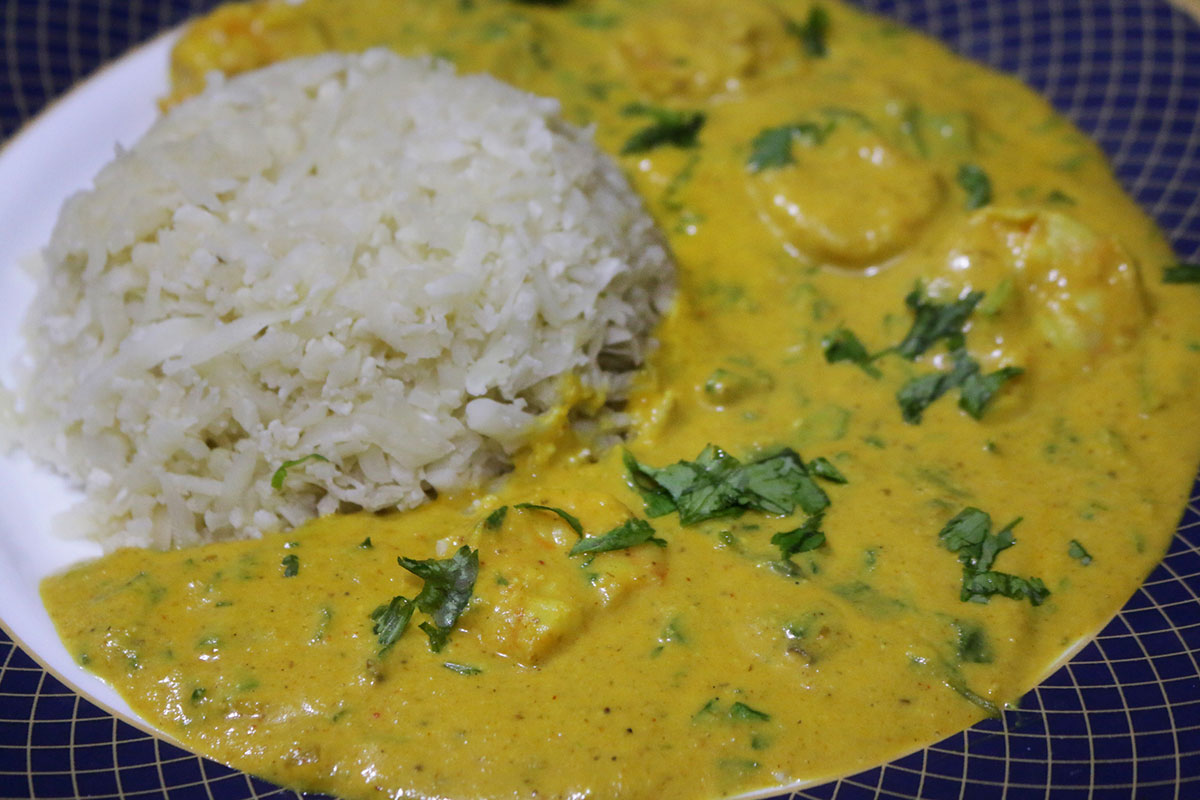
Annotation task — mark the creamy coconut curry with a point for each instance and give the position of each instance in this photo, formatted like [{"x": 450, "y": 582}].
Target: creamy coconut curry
[{"x": 921, "y": 420}]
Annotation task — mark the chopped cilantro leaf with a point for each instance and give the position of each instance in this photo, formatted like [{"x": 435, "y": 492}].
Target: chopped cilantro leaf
[
  {"x": 772, "y": 147},
  {"x": 1058, "y": 196},
  {"x": 933, "y": 321},
  {"x": 365, "y": 544},
  {"x": 291, "y": 565},
  {"x": 969, "y": 534},
  {"x": 843, "y": 345},
  {"x": 742, "y": 712},
  {"x": 668, "y": 127},
  {"x": 641, "y": 479},
  {"x": 1076, "y": 551},
  {"x": 975, "y": 182},
  {"x": 716, "y": 485},
  {"x": 198, "y": 694},
  {"x": 1182, "y": 273},
  {"x": 391, "y": 621},
  {"x": 919, "y": 393},
  {"x": 437, "y": 636},
  {"x": 978, "y": 389},
  {"x": 980, "y": 586},
  {"x": 823, "y": 468},
  {"x": 813, "y": 33},
  {"x": 966, "y": 530},
  {"x": 632, "y": 532},
  {"x": 777, "y": 484},
  {"x": 281, "y": 474},
  {"x": 461, "y": 669},
  {"x": 960, "y": 686},
  {"x": 496, "y": 518},
  {"x": 449, "y": 584},
  {"x": 808, "y": 536},
  {"x": 570, "y": 519},
  {"x": 707, "y": 709},
  {"x": 973, "y": 644}
]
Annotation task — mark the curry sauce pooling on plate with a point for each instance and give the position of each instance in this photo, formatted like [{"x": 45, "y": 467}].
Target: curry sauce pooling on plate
[{"x": 921, "y": 420}]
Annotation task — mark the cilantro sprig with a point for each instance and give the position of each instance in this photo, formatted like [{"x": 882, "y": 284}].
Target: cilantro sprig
[
  {"x": 1077, "y": 551},
  {"x": 843, "y": 345},
  {"x": 449, "y": 584},
  {"x": 977, "y": 185},
  {"x": 813, "y": 33},
  {"x": 716, "y": 485},
  {"x": 631, "y": 533},
  {"x": 667, "y": 127},
  {"x": 933, "y": 322},
  {"x": 977, "y": 388},
  {"x": 969, "y": 534},
  {"x": 772, "y": 147},
  {"x": 808, "y": 536},
  {"x": 567, "y": 517},
  {"x": 1182, "y": 273},
  {"x": 280, "y": 475}
]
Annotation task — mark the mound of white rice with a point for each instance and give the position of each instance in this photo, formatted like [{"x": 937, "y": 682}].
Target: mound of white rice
[{"x": 365, "y": 258}]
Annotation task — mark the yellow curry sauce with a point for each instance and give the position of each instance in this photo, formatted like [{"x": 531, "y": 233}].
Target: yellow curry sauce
[{"x": 841, "y": 166}]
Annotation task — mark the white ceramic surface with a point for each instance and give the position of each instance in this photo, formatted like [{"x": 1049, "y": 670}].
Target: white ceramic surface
[{"x": 50, "y": 159}]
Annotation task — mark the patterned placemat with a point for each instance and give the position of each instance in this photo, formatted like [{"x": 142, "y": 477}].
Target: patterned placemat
[{"x": 1121, "y": 720}]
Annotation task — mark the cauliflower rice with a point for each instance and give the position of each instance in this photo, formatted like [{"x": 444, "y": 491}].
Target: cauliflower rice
[{"x": 362, "y": 257}]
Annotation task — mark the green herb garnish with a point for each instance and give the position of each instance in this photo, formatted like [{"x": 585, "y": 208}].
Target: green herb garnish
[
  {"x": 365, "y": 544},
  {"x": 496, "y": 518},
  {"x": 934, "y": 321},
  {"x": 808, "y": 536},
  {"x": 391, "y": 620},
  {"x": 1182, "y": 273},
  {"x": 1076, "y": 551},
  {"x": 461, "y": 669},
  {"x": 969, "y": 534},
  {"x": 772, "y": 147},
  {"x": 823, "y": 468},
  {"x": 973, "y": 644},
  {"x": 843, "y": 345},
  {"x": 813, "y": 33},
  {"x": 281, "y": 474},
  {"x": 977, "y": 388},
  {"x": 975, "y": 182},
  {"x": 744, "y": 713},
  {"x": 980, "y": 586},
  {"x": 632, "y": 532},
  {"x": 569, "y": 518},
  {"x": 447, "y": 590},
  {"x": 717, "y": 485},
  {"x": 668, "y": 127},
  {"x": 291, "y": 565}
]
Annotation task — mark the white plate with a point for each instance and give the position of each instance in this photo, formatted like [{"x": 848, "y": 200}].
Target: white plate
[{"x": 50, "y": 159}]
